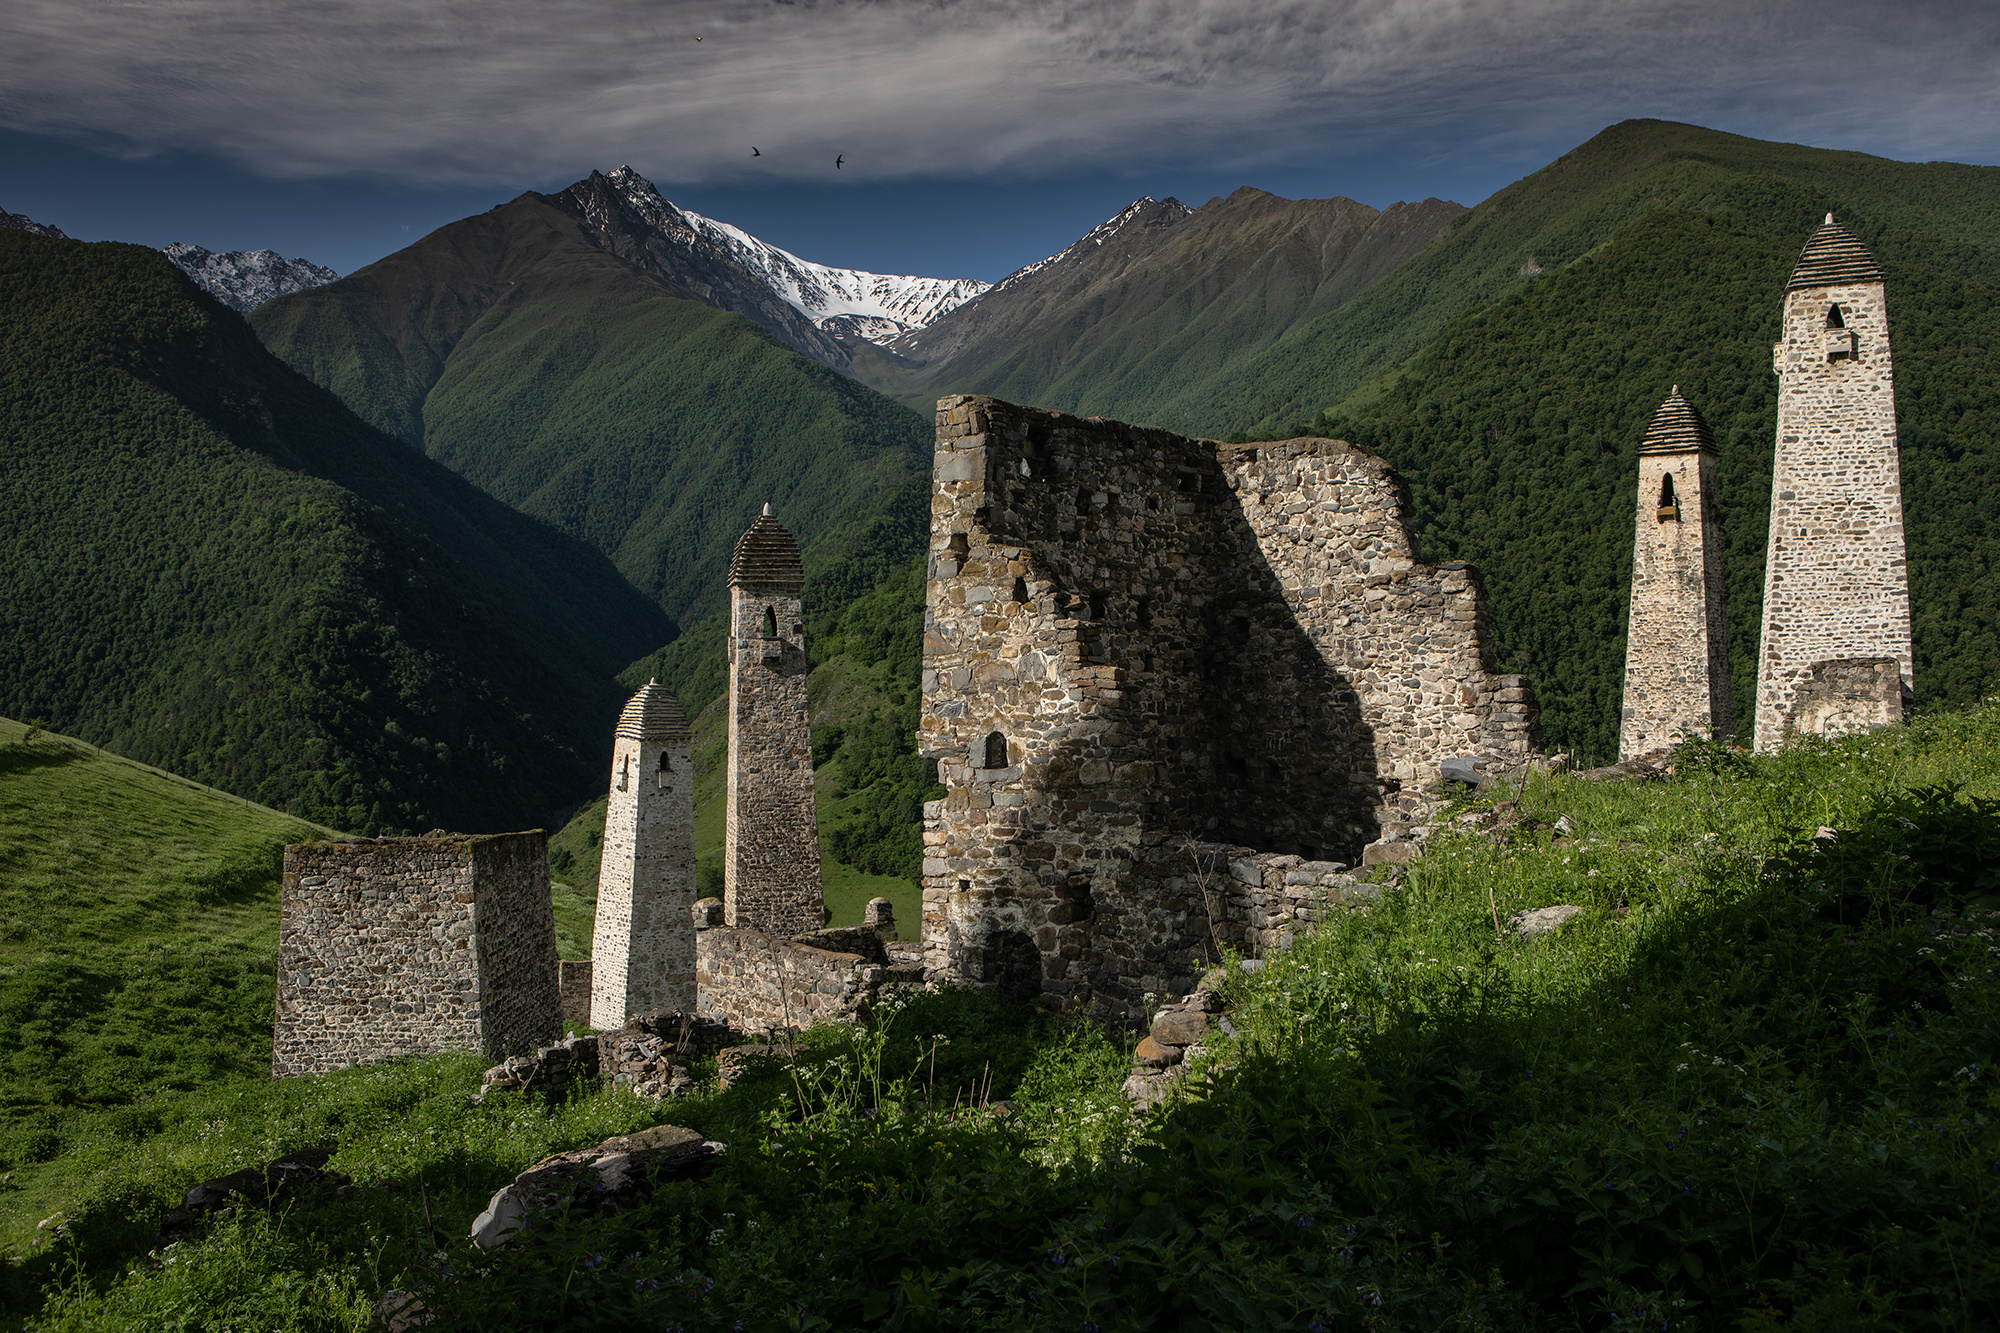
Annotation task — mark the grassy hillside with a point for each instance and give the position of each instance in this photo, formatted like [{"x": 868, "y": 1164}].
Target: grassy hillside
[
  {"x": 1120, "y": 325},
  {"x": 1566, "y": 210},
  {"x": 1517, "y": 430},
  {"x": 1748, "y": 1087},
  {"x": 138, "y": 943},
  {"x": 575, "y": 387},
  {"x": 197, "y": 576}
]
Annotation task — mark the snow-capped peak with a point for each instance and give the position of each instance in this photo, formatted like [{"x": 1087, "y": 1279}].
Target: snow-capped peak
[
  {"x": 1172, "y": 210},
  {"x": 245, "y": 279},
  {"x": 875, "y": 306}
]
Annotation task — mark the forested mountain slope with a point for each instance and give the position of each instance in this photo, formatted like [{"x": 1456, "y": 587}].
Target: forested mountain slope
[
  {"x": 1563, "y": 212},
  {"x": 583, "y": 390},
  {"x": 1156, "y": 298},
  {"x": 1517, "y": 430},
  {"x": 213, "y": 567}
]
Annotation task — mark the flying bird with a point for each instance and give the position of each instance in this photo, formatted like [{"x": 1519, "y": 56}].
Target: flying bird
[
  {"x": 838, "y": 160},
  {"x": 754, "y": 152},
  {"x": 697, "y": 39}
]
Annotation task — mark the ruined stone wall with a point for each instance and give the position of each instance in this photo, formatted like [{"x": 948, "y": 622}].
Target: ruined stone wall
[
  {"x": 573, "y": 990},
  {"x": 404, "y": 946},
  {"x": 756, "y": 981},
  {"x": 1835, "y": 583},
  {"x": 1134, "y": 638},
  {"x": 1676, "y": 642},
  {"x": 771, "y": 873}
]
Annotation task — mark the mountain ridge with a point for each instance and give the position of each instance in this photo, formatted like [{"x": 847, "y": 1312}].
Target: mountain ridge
[{"x": 245, "y": 279}]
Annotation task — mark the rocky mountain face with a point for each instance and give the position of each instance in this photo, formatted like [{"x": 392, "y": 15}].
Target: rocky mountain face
[
  {"x": 816, "y": 309},
  {"x": 1157, "y": 296},
  {"x": 22, "y": 222},
  {"x": 245, "y": 279}
]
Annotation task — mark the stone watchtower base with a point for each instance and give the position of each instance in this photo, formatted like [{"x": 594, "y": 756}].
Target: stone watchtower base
[{"x": 405, "y": 946}]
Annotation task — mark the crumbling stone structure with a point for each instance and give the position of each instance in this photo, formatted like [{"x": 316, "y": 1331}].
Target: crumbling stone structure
[
  {"x": 770, "y": 857},
  {"x": 405, "y": 946},
  {"x": 1135, "y": 640},
  {"x": 1677, "y": 643},
  {"x": 756, "y": 981},
  {"x": 642, "y": 945},
  {"x": 1835, "y": 582}
]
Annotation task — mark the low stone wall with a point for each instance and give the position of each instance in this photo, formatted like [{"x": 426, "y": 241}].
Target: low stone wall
[
  {"x": 573, "y": 985},
  {"x": 755, "y": 981}
]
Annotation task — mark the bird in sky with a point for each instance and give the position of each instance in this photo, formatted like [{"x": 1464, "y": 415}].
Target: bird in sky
[
  {"x": 697, "y": 39},
  {"x": 838, "y": 160},
  {"x": 754, "y": 152}
]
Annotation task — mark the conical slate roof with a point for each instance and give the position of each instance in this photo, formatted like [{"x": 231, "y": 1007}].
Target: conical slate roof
[
  {"x": 1833, "y": 256},
  {"x": 1676, "y": 428},
  {"x": 652, "y": 715},
  {"x": 767, "y": 556}
]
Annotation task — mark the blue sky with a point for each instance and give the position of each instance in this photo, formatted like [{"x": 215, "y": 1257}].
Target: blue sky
[{"x": 978, "y": 136}]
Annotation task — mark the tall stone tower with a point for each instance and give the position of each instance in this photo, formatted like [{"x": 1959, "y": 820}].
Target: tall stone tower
[
  {"x": 642, "y": 950},
  {"x": 1836, "y": 620},
  {"x": 770, "y": 862},
  {"x": 1677, "y": 647}
]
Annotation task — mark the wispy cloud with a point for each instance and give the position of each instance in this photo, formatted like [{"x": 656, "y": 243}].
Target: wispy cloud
[{"x": 476, "y": 91}]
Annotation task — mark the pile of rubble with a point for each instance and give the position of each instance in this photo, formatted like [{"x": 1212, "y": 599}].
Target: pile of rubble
[
  {"x": 650, "y": 1055},
  {"x": 1176, "y": 1040}
]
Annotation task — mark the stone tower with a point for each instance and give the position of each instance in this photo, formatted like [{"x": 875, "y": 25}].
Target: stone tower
[
  {"x": 770, "y": 863},
  {"x": 1836, "y": 620},
  {"x": 1677, "y": 647},
  {"x": 642, "y": 950}
]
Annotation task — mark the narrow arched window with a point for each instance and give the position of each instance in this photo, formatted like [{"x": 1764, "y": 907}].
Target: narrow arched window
[
  {"x": 996, "y": 751},
  {"x": 660, "y": 774},
  {"x": 770, "y": 623},
  {"x": 1834, "y": 319},
  {"x": 1099, "y": 606},
  {"x": 624, "y": 770},
  {"x": 1020, "y": 590},
  {"x": 1666, "y": 490}
]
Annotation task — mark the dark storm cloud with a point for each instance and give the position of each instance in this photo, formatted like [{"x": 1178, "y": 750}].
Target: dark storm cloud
[{"x": 486, "y": 90}]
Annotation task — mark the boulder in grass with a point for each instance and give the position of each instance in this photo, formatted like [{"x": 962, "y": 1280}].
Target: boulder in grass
[
  {"x": 1541, "y": 920},
  {"x": 274, "y": 1182},
  {"x": 609, "y": 1178}
]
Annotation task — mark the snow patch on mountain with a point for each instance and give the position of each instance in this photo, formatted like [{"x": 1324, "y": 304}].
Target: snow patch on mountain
[
  {"x": 843, "y": 301},
  {"x": 22, "y": 222},
  {"x": 1172, "y": 210},
  {"x": 245, "y": 279}
]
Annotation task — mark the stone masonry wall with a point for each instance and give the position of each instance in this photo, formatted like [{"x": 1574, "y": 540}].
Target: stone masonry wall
[
  {"x": 404, "y": 946},
  {"x": 573, "y": 989},
  {"x": 642, "y": 950},
  {"x": 756, "y": 981},
  {"x": 1134, "y": 639},
  {"x": 771, "y": 873},
  {"x": 1846, "y": 695},
  {"x": 1835, "y": 582},
  {"x": 1676, "y": 643}
]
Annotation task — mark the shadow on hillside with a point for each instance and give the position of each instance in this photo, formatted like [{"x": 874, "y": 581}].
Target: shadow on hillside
[{"x": 28, "y": 756}]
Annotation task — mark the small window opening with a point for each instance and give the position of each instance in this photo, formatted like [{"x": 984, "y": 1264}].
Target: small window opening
[
  {"x": 666, "y": 764},
  {"x": 959, "y": 544},
  {"x": 1239, "y": 629},
  {"x": 1834, "y": 319},
  {"x": 1099, "y": 606},
  {"x": 1667, "y": 490},
  {"x": 1142, "y": 612},
  {"x": 1187, "y": 481},
  {"x": 1308, "y": 851},
  {"x": 965, "y": 886},
  {"x": 1083, "y": 502},
  {"x": 1020, "y": 593},
  {"x": 624, "y": 770},
  {"x": 1152, "y": 502},
  {"x": 770, "y": 623},
  {"x": 996, "y": 751}
]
